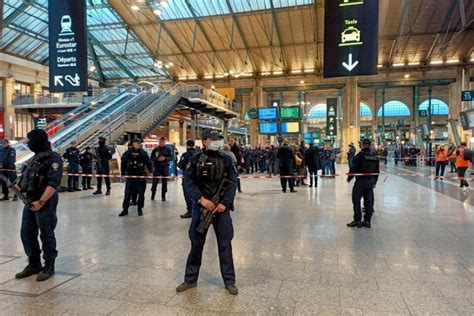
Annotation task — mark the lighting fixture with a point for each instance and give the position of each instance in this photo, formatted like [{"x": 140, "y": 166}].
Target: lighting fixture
[
  {"x": 182, "y": 78},
  {"x": 308, "y": 70},
  {"x": 399, "y": 65},
  {"x": 379, "y": 66},
  {"x": 452, "y": 61},
  {"x": 226, "y": 74},
  {"x": 414, "y": 64},
  {"x": 134, "y": 7},
  {"x": 157, "y": 11},
  {"x": 208, "y": 77},
  {"x": 407, "y": 76},
  {"x": 220, "y": 76},
  {"x": 266, "y": 73},
  {"x": 213, "y": 87},
  {"x": 436, "y": 62},
  {"x": 231, "y": 72},
  {"x": 277, "y": 73},
  {"x": 248, "y": 74},
  {"x": 164, "y": 3},
  {"x": 297, "y": 71},
  {"x": 302, "y": 81},
  {"x": 92, "y": 68},
  {"x": 192, "y": 78}
]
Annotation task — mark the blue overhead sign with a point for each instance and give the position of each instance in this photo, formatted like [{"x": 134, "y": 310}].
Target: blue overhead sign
[
  {"x": 467, "y": 96},
  {"x": 350, "y": 38},
  {"x": 67, "y": 46}
]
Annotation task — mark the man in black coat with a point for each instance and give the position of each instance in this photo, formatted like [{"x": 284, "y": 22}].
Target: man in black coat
[
  {"x": 286, "y": 159},
  {"x": 312, "y": 160}
]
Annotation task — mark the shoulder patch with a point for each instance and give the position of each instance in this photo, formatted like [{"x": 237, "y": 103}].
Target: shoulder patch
[{"x": 55, "y": 165}]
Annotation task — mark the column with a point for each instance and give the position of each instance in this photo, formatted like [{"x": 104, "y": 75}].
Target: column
[
  {"x": 174, "y": 132},
  {"x": 374, "y": 123},
  {"x": 9, "y": 111},
  {"x": 225, "y": 124},
  {"x": 455, "y": 106},
  {"x": 257, "y": 101},
  {"x": 193, "y": 124},
  {"x": 37, "y": 90},
  {"x": 351, "y": 116},
  {"x": 182, "y": 132}
]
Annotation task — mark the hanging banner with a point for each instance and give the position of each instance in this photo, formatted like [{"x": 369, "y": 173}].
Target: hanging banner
[
  {"x": 67, "y": 46},
  {"x": 331, "y": 118},
  {"x": 350, "y": 37}
]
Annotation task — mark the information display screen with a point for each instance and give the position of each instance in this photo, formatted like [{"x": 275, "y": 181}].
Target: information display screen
[
  {"x": 290, "y": 127},
  {"x": 267, "y": 113},
  {"x": 268, "y": 128},
  {"x": 467, "y": 119},
  {"x": 290, "y": 113}
]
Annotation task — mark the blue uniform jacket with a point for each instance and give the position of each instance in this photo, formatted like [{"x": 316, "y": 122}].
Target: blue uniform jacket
[
  {"x": 186, "y": 157},
  {"x": 72, "y": 155},
  {"x": 191, "y": 180},
  {"x": 9, "y": 158},
  {"x": 358, "y": 166}
]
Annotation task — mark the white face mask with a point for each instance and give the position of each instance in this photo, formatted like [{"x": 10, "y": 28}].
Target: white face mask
[{"x": 215, "y": 145}]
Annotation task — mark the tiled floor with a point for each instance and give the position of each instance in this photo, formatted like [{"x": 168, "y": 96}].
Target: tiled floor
[{"x": 293, "y": 254}]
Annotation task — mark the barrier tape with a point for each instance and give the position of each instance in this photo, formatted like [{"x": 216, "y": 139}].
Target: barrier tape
[{"x": 406, "y": 174}]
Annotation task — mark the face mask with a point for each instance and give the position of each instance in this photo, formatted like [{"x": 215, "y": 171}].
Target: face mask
[
  {"x": 216, "y": 145},
  {"x": 101, "y": 143},
  {"x": 36, "y": 147}
]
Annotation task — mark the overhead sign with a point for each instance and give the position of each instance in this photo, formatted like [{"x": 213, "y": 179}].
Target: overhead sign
[
  {"x": 67, "y": 46},
  {"x": 423, "y": 113},
  {"x": 467, "y": 95},
  {"x": 351, "y": 38}
]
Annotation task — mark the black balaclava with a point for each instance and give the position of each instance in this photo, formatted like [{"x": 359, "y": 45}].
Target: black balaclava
[
  {"x": 101, "y": 142},
  {"x": 38, "y": 141}
]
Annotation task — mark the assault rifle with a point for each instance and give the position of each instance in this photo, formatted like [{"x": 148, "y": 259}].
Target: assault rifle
[
  {"x": 206, "y": 215},
  {"x": 16, "y": 191}
]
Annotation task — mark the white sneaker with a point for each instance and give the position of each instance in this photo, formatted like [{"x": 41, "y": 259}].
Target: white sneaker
[{"x": 465, "y": 189}]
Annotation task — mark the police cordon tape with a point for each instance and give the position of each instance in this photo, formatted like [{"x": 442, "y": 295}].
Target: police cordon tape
[{"x": 407, "y": 174}]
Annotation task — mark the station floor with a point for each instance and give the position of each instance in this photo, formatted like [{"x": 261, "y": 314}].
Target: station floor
[{"x": 293, "y": 254}]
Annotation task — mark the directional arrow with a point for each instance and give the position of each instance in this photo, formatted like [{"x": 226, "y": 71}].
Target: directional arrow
[
  {"x": 349, "y": 66},
  {"x": 57, "y": 81}
]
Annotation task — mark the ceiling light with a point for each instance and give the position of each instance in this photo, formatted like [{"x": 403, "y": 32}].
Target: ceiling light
[
  {"x": 220, "y": 76},
  {"x": 182, "y": 78},
  {"x": 277, "y": 73},
  {"x": 436, "y": 62},
  {"x": 213, "y": 87},
  {"x": 208, "y": 77},
  {"x": 414, "y": 64},
  {"x": 302, "y": 82},
  {"x": 309, "y": 70},
  {"x": 248, "y": 74},
  {"x": 157, "y": 11},
  {"x": 226, "y": 74},
  {"x": 407, "y": 76},
  {"x": 298, "y": 71},
  {"x": 192, "y": 78},
  {"x": 134, "y": 7},
  {"x": 164, "y": 3},
  {"x": 231, "y": 72},
  {"x": 266, "y": 73},
  {"x": 170, "y": 64},
  {"x": 399, "y": 65},
  {"x": 452, "y": 61},
  {"x": 379, "y": 66},
  {"x": 92, "y": 68}
]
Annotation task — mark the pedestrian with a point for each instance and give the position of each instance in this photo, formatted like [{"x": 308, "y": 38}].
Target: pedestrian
[
  {"x": 204, "y": 176},
  {"x": 452, "y": 158},
  {"x": 463, "y": 157},
  {"x": 441, "y": 159},
  {"x": 8, "y": 169},
  {"x": 286, "y": 160},
  {"x": 182, "y": 164},
  {"x": 227, "y": 151},
  {"x": 300, "y": 169},
  {"x": 102, "y": 155},
  {"x": 351, "y": 154},
  {"x": 364, "y": 162},
  {"x": 271, "y": 160},
  {"x": 312, "y": 160},
  {"x": 161, "y": 157},
  {"x": 72, "y": 155},
  {"x": 134, "y": 166},
  {"x": 39, "y": 181},
  {"x": 86, "y": 160}
]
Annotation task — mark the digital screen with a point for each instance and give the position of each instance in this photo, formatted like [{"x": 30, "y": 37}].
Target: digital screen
[
  {"x": 290, "y": 127},
  {"x": 268, "y": 128},
  {"x": 290, "y": 113},
  {"x": 267, "y": 113},
  {"x": 307, "y": 135},
  {"x": 467, "y": 119}
]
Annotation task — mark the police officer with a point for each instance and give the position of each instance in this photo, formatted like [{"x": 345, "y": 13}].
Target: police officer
[
  {"x": 40, "y": 180},
  {"x": 9, "y": 169},
  {"x": 86, "y": 160},
  {"x": 203, "y": 177},
  {"x": 183, "y": 162},
  {"x": 135, "y": 162},
  {"x": 364, "y": 162},
  {"x": 73, "y": 157},
  {"x": 286, "y": 160},
  {"x": 103, "y": 156},
  {"x": 161, "y": 158}
]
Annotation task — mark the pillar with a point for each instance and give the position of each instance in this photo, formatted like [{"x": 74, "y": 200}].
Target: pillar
[
  {"x": 374, "y": 123},
  {"x": 174, "y": 132},
  {"x": 9, "y": 111},
  {"x": 225, "y": 124},
  {"x": 351, "y": 116},
  {"x": 182, "y": 132},
  {"x": 257, "y": 101},
  {"x": 37, "y": 89},
  {"x": 193, "y": 124}
]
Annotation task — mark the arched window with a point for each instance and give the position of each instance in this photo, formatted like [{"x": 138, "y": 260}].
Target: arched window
[
  {"x": 438, "y": 107},
  {"x": 365, "y": 111},
  {"x": 319, "y": 111},
  {"x": 394, "y": 108}
]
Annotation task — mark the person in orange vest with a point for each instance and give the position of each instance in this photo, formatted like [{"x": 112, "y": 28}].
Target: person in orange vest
[
  {"x": 462, "y": 163},
  {"x": 441, "y": 158},
  {"x": 452, "y": 158}
]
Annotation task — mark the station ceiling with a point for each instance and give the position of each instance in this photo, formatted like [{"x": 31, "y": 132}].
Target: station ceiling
[{"x": 238, "y": 38}]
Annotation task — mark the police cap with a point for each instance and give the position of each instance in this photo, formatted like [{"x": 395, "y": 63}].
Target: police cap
[
  {"x": 212, "y": 134},
  {"x": 190, "y": 143},
  {"x": 162, "y": 138},
  {"x": 137, "y": 140},
  {"x": 366, "y": 142}
]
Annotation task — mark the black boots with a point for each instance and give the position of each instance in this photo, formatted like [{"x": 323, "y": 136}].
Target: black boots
[
  {"x": 163, "y": 197},
  {"x": 107, "y": 192},
  {"x": 97, "y": 192},
  {"x": 33, "y": 267},
  {"x": 123, "y": 213},
  {"x": 47, "y": 272},
  {"x": 153, "y": 193},
  {"x": 354, "y": 224},
  {"x": 186, "y": 215},
  {"x": 140, "y": 212}
]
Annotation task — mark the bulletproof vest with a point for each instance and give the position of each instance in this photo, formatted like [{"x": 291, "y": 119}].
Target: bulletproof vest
[
  {"x": 103, "y": 153},
  {"x": 136, "y": 164},
  {"x": 34, "y": 176},
  {"x": 211, "y": 171},
  {"x": 368, "y": 163}
]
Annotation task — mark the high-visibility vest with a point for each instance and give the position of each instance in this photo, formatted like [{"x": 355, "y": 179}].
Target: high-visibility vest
[
  {"x": 460, "y": 162},
  {"x": 441, "y": 156}
]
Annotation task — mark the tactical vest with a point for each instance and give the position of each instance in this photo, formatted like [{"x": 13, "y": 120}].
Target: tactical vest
[
  {"x": 211, "y": 171},
  {"x": 136, "y": 164},
  {"x": 34, "y": 176},
  {"x": 368, "y": 163}
]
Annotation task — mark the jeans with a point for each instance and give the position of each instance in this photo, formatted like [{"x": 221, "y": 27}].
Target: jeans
[
  {"x": 10, "y": 175},
  {"x": 313, "y": 174},
  {"x": 440, "y": 166}
]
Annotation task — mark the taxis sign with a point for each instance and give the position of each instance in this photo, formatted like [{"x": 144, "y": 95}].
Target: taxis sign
[{"x": 350, "y": 38}]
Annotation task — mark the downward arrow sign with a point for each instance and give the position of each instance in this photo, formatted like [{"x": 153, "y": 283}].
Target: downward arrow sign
[
  {"x": 349, "y": 66},
  {"x": 57, "y": 81}
]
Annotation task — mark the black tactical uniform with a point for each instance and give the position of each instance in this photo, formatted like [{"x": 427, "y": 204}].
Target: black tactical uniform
[
  {"x": 8, "y": 164},
  {"x": 72, "y": 155},
  {"x": 86, "y": 160},
  {"x": 135, "y": 162},
  {"x": 182, "y": 164},
  {"x": 286, "y": 160},
  {"x": 160, "y": 169},
  {"x": 103, "y": 156},
  {"x": 42, "y": 173},
  {"x": 203, "y": 177},
  {"x": 364, "y": 162}
]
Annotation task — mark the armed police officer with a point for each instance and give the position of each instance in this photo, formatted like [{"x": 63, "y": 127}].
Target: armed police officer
[
  {"x": 364, "y": 162},
  {"x": 39, "y": 181},
  {"x": 135, "y": 163},
  {"x": 72, "y": 155},
  {"x": 103, "y": 156},
  {"x": 9, "y": 169},
  {"x": 161, "y": 158},
  {"x": 182, "y": 164},
  {"x": 204, "y": 179},
  {"x": 86, "y": 161}
]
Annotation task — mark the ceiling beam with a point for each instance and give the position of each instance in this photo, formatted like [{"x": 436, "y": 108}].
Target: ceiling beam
[
  {"x": 18, "y": 11},
  {"x": 241, "y": 34},
  {"x": 277, "y": 31},
  {"x": 406, "y": 9},
  {"x": 124, "y": 68},
  {"x": 95, "y": 60}
]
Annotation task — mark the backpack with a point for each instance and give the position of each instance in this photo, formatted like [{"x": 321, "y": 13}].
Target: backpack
[{"x": 467, "y": 155}]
